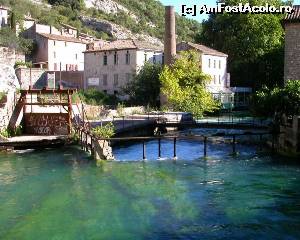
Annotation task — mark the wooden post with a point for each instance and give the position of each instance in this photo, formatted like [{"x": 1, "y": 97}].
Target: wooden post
[
  {"x": 123, "y": 121},
  {"x": 175, "y": 154},
  {"x": 70, "y": 112},
  {"x": 60, "y": 87},
  {"x": 205, "y": 146},
  {"x": 233, "y": 145},
  {"x": 30, "y": 77},
  {"x": 144, "y": 150},
  {"x": 159, "y": 148}
]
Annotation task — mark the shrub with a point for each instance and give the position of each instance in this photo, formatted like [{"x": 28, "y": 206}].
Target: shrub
[
  {"x": 93, "y": 96},
  {"x": 106, "y": 131}
]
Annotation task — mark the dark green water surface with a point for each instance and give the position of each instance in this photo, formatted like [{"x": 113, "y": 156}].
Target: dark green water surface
[{"x": 63, "y": 194}]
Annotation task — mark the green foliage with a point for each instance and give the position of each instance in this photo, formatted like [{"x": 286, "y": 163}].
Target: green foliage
[
  {"x": 184, "y": 85},
  {"x": 7, "y": 133},
  {"x": 2, "y": 95},
  {"x": 8, "y": 38},
  {"x": 144, "y": 89},
  {"x": 93, "y": 96},
  {"x": 254, "y": 43},
  {"x": 72, "y": 4},
  {"x": 24, "y": 64},
  {"x": 268, "y": 102},
  {"x": 120, "y": 109},
  {"x": 106, "y": 131}
]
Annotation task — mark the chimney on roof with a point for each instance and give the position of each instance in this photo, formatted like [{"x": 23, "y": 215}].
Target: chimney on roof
[{"x": 170, "y": 35}]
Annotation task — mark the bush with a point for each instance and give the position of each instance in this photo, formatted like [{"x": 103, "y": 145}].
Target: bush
[
  {"x": 106, "y": 131},
  {"x": 268, "y": 102},
  {"x": 92, "y": 96}
]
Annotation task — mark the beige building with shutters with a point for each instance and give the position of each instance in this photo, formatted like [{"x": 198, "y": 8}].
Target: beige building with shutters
[{"x": 111, "y": 65}]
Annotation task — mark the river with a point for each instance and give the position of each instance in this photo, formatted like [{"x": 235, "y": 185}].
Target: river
[{"x": 64, "y": 194}]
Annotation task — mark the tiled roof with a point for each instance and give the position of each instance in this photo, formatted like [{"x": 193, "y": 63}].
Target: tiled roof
[
  {"x": 60, "y": 38},
  {"x": 295, "y": 16},
  {"x": 5, "y": 8},
  {"x": 206, "y": 50},
  {"x": 127, "y": 44}
]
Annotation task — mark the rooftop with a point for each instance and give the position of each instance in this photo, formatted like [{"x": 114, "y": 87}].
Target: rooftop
[
  {"x": 295, "y": 16},
  {"x": 60, "y": 38},
  {"x": 206, "y": 50},
  {"x": 5, "y": 8},
  {"x": 127, "y": 44}
]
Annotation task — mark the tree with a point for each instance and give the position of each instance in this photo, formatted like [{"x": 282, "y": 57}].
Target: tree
[
  {"x": 73, "y": 4},
  {"x": 144, "y": 89},
  {"x": 277, "y": 101},
  {"x": 184, "y": 85},
  {"x": 254, "y": 43}
]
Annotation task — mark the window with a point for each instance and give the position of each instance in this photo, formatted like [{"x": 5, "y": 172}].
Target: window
[
  {"x": 145, "y": 57},
  {"x": 214, "y": 79},
  {"x": 76, "y": 56},
  {"x": 54, "y": 54},
  {"x": 220, "y": 64},
  {"x": 154, "y": 59},
  {"x": 115, "y": 92},
  {"x": 116, "y": 58},
  {"x": 220, "y": 79},
  {"x": 54, "y": 43},
  {"x": 105, "y": 91},
  {"x": 128, "y": 77},
  {"x": 116, "y": 80},
  {"x": 65, "y": 44},
  {"x": 55, "y": 66},
  {"x": 105, "y": 59},
  {"x": 209, "y": 63},
  {"x": 104, "y": 79},
  {"x": 127, "y": 58},
  {"x": 215, "y": 62}
]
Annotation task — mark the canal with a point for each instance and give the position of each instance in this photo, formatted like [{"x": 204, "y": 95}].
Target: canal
[{"x": 64, "y": 194}]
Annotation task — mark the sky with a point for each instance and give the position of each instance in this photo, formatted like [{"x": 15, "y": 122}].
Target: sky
[{"x": 189, "y": 3}]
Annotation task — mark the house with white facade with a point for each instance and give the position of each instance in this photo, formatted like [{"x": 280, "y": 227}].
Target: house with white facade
[
  {"x": 3, "y": 16},
  {"x": 109, "y": 66},
  {"x": 213, "y": 63},
  {"x": 58, "y": 49}
]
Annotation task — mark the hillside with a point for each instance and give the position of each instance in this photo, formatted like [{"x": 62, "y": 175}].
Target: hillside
[{"x": 107, "y": 19}]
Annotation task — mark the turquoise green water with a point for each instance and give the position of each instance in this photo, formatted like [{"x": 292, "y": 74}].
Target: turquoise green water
[{"x": 62, "y": 194}]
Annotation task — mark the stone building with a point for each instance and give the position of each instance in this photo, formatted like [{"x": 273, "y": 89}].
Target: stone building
[
  {"x": 3, "y": 16},
  {"x": 292, "y": 45},
  {"x": 213, "y": 63},
  {"x": 111, "y": 65}
]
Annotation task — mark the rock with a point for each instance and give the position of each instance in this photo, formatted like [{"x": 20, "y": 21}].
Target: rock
[
  {"x": 117, "y": 31},
  {"x": 8, "y": 78}
]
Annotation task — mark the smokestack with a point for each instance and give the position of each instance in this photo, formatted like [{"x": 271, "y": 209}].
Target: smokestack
[{"x": 170, "y": 35}]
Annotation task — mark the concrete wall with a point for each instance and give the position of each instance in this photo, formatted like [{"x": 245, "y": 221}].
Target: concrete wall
[
  {"x": 9, "y": 56},
  {"x": 292, "y": 52},
  {"x": 70, "y": 79},
  {"x": 35, "y": 77}
]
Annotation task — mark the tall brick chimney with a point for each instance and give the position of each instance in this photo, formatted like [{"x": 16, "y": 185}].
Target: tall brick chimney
[{"x": 170, "y": 35}]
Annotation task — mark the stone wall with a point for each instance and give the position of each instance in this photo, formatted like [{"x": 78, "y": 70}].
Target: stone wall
[
  {"x": 292, "y": 52},
  {"x": 9, "y": 56}
]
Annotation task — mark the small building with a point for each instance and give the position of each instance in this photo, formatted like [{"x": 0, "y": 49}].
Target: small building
[
  {"x": 111, "y": 65},
  {"x": 292, "y": 45},
  {"x": 57, "y": 49},
  {"x": 3, "y": 16},
  {"x": 213, "y": 63}
]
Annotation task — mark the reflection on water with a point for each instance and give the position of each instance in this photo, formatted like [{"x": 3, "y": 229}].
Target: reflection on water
[{"x": 63, "y": 194}]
